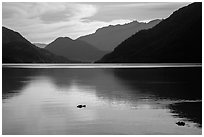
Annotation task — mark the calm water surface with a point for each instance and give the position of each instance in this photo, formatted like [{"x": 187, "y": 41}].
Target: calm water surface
[{"x": 119, "y": 100}]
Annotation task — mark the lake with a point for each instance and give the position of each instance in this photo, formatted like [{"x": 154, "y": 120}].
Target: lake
[{"x": 119, "y": 100}]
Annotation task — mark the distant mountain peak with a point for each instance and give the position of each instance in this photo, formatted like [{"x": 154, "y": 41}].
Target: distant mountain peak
[
  {"x": 155, "y": 20},
  {"x": 63, "y": 38},
  {"x": 107, "y": 38},
  {"x": 118, "y": 25},
  {"x": 40, "y": 45},
  {"x": 16, "y": 49},
  {"x": 74, "y": 49}
]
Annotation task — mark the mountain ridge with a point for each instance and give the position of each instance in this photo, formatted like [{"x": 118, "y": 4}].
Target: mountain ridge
[
  {"x": 169, "y": 41},
  {"x": 17, "y": 49},
  {"x": 107, "y": 38},
  {"x": 74, "y": 49}
]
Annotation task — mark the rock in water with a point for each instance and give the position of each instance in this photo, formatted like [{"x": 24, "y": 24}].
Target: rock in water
[
  {"x": 80, "y": 106},
  {"x": 180, "y": 123}
]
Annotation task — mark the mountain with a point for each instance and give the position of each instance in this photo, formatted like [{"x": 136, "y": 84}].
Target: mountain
[
  {"x": 17, "y": 49},
  {"x": 175, "y": 39},
  {"x": 40, "y": 45},
  {"x": 107, "y": 38},
  {"x": 9, "y": 36},
  {"x": 75, "y": 49}
]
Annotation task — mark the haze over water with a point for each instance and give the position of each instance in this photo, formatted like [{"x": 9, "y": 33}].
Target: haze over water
[{"x": 119, "y": 100}]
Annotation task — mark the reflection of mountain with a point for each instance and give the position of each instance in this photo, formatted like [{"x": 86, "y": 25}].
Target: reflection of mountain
[
  {"x": 13, "y": 80},
  {"x": 175, "y": 39},
  {"x": 169, "y": 83},
  {"x": 122, "y": 85},
  {"x": 188, "y": 110},
  {"x": 101, "y": 80},
  {"x": 104, "y": 83},
  {"x": 16, "y": 49},
  {"x": 107, "y": 38}
]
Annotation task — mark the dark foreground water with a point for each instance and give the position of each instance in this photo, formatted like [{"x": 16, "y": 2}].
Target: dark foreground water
[{"x": 118, "y": 100}]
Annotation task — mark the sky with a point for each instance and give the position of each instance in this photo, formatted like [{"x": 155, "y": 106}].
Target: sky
[{"x": 41, "y": 22}]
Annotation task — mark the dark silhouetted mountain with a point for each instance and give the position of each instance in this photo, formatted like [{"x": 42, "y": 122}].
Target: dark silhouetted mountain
[
  {"x": 107, "y": 38},
  {"x": 40, "y": 45},
  {"x": 175, "y": 39},
  {"x": 16, "y": 49},
  {"x": 75, "y": 49},
  {"x": 9, "y": 35}
]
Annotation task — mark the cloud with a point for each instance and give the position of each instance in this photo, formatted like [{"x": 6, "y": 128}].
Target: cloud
[
  {"x": 136, "y": 10},
  {"x": 82, "y": 11},
  {"x": 43, "y": 22}
]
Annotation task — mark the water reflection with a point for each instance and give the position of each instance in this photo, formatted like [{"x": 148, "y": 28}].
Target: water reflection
[
  {"x": 14, "y": 79},
  {"x": 170, "y": 83},
  {"x": 189, "y": 111},
  {"x": 119, "y": 101}
]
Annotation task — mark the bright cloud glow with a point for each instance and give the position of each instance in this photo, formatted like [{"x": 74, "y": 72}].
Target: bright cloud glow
[{"x": 44, "y": 22}]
